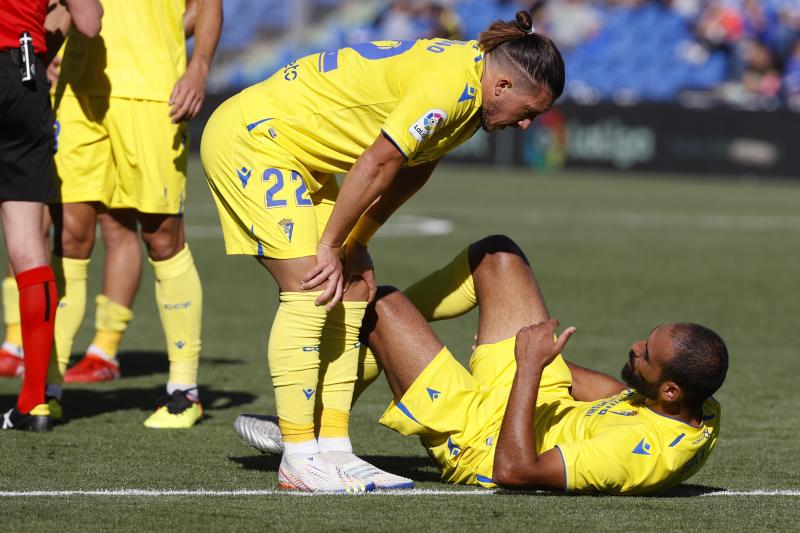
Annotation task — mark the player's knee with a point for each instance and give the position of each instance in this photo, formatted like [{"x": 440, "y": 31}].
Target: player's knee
[
  {"x": 163, "y": 245},
  {"x": 379, "y": 306},
  {"x": 497, "y": 252},
  {"x": 75, "y": 240}
]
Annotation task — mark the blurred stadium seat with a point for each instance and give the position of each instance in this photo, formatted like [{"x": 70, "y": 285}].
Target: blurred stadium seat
[{"x": 648, "y": 50}]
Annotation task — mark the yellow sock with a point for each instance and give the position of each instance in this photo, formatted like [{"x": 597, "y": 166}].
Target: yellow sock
[
  {"x": 296, "y": 433},
  {"x": 449, "y": 292},
  {"x": 71, "y": 277},
  {"x": 339, "y": 353},
  {"x": 179, "y": 297},
  {"x": 11, "y": 311},
  {"x": 293, "y": 354},
  {"x": 368, "y": 371},
  {"x": 111, "y": 321},
  {"x": 334, "y": 424}
]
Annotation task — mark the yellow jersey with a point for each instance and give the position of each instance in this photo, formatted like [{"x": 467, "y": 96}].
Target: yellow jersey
[
  {"x": 140, "y": 52},
  {"x": 621, "y": 446},
  {"x": 327, "y": 108}
]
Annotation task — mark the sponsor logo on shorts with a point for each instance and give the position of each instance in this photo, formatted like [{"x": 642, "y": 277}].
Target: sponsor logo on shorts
[
  {"x": 308, "y": 393},
  {"x": 244, "y": 175},
  {"x": 428, "y": 124}
]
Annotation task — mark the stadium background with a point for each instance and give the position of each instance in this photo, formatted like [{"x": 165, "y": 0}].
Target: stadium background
[{"x": 661, "y": 188}]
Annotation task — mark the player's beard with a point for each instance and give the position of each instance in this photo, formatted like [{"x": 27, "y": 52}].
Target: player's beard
[
  {"x": 633, "y": 379},
  {"x": 486, "y": 112}
]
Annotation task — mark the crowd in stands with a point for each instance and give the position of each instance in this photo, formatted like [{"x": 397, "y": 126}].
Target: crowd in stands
[{"x": 744, "y": 53}]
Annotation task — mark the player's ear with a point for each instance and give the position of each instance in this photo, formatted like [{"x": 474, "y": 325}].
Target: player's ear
[
  {"x": 670, "y": 391},
  {"x": 502, "y": 85}
]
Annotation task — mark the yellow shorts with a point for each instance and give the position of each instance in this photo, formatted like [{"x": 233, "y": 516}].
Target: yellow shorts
[
  {"x": 261, "y": 193},
  {"x": 457, "y": 414},
  {"x": 121, "y": 152}
]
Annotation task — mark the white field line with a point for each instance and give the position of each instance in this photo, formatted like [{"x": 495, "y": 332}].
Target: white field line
[
  {"x": 413, "y": 225},
  {"x": 397, "y": 226},
  {"x": 610, "y": 219},
  {"x": 273, "y": 492}
]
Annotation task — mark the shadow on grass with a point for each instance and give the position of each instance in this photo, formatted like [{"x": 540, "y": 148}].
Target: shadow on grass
[
  {"x": 146, "y": 363},
  {"x": 416, "y": 468},
  {"x": 681, "y": 491},
  {"x": 87, "y": 403}
]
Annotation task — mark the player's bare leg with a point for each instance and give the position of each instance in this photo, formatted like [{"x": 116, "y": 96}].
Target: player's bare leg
[
  {"x": 401, "y": 339},
  {"x": 179, "y": 298},
  {"x": 122, "y": 270},
  {"x": 509, "y": 297}
]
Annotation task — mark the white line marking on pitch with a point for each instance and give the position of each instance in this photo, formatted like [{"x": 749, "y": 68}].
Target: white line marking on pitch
[
  {"x": 397, "y": 226},
  {"x": 611, "y": 219},
  {"x": 273, "y": 492}
]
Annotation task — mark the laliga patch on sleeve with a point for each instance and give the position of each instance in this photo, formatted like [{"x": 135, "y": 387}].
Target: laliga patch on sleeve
[{"x": 428, "y": 124}]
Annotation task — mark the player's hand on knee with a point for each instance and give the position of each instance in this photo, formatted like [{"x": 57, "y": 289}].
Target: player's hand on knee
[
  {"x": 535, "y": 348},
  {"x": 358, "y": 264},
  {"x": 327, "y": 272}
]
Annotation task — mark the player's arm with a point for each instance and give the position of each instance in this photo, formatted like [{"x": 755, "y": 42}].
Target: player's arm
[
  {"x": 85, "y": 15},
  {"x": 190, "y": 18},
  {"x": 517, "y": 464},
  {"x": 370, "y": 177},
  {"x": 190, "y": 90},
  {"x": 409, "y": 180},
  {"x": 589, "y": 385},
  {"x": 356, "y": 259}
]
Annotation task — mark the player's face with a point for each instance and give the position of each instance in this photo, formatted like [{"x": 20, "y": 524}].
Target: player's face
[
  {"x": 508, "y": 106},
  {"x": 643, "y": 370}
]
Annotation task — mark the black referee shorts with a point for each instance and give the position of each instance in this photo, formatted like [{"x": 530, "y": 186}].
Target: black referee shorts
[{"x": 27, "y": 144}]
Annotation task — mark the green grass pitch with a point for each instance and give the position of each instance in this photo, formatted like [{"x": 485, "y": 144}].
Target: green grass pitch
[{"x": 615, "y": 254}]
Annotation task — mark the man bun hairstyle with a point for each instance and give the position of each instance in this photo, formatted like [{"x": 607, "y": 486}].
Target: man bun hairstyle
[
  {"x": 700, "y": 362},
  {"x": 534, "y": 53}
]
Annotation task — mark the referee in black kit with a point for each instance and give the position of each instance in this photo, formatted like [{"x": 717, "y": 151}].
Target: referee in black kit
[{"x": 27, "y": 181}]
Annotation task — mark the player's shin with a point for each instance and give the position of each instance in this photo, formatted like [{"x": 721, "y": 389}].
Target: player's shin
[
  {"x": 71, "y": 275},
  {"x": 111, "y": 322},
  {"x": 293, "y": 354},
  {"x": 449, "y": 292},
  {"x": 339, "y": 356},
  {"x": 179, "y": 297}
]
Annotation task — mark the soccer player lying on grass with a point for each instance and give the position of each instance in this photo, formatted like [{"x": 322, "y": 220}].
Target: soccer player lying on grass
[{"x": 589, "y": 432}]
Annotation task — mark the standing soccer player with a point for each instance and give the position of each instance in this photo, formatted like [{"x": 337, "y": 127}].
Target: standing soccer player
[
  {"x": 121, "y": 105},
  {"x": 26, "y": 181},
  {"x": 384, "y": 113}
]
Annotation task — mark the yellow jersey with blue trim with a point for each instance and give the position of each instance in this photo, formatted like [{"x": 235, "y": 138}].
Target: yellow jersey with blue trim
[
  {"x": 140, "y": 52},
  {"x": 325, "y": 109},
  {"x": 620, "y": 446}
]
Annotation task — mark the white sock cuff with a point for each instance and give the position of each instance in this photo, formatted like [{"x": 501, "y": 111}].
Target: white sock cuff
[
  {"x": 308, "y": 447},
  {"x": 337, "y": 444},
  {"x": 191, "y": 390}
]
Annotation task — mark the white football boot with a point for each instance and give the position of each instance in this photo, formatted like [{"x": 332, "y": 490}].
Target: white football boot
[
  {"x": 360, "y": 469},
  {"x": 313, "y": 473},
  {"x": 261, "y": 432}
]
